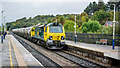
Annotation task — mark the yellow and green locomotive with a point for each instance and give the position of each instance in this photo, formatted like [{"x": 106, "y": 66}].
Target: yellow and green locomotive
[{"x": 51, "y": 35}]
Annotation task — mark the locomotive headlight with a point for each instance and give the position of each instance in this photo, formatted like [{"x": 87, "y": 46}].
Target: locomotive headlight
[
  {"x": 62, "y": 37},
  {"x": 50, "y": 37}
]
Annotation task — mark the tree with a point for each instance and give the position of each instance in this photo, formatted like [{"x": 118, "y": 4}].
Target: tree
[
  {"x": 111, "y": 15},
  {"x": 118, "y": 27},
  {"x": 83, "y": 19},
  {"x": 71, "y": 17},
  {"x": 90, "y": 26},
  {"x": 89, "y": 9},
  {"x": 69, "y": 25},
  {"x": 49, "y": 20},
  {"x": 100, "y": 16},
  {"x": 100, "y": 4},
  {"x": 93, "y": 7},
  {"x": 85, "y": 29},
  {"x": 62, "y": 20},
  {"x": 116, "y": 2},
  {"x": 84, "y": 14}
]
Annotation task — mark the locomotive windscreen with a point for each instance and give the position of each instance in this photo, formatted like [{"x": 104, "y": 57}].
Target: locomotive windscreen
[{"x": 55, "y": 29}]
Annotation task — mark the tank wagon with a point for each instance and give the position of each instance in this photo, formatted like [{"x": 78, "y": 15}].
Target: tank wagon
[{"x": 51, "y": 36}]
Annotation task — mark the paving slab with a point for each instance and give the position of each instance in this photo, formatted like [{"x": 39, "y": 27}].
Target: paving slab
[
  {"x": 28, "y": 58},
  {"x": 1, "y": 55},
  {"x": 13, "y": 54},
  {"x": 8, "y": 56}
]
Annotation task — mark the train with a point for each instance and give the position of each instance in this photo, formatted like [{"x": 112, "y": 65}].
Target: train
[{"x": 51, "y": 36}]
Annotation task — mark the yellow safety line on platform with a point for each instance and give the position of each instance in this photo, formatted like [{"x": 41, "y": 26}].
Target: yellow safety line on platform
[
  {"x": 116, "y": 51},
  {"x": 10, "y": 56},
  {"x": 18, "y": 55}
]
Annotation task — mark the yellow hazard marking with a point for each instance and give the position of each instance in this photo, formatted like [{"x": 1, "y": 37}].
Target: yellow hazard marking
[
  {"x": 10, "y": 56},
  {"x": 115, "y": 51}
]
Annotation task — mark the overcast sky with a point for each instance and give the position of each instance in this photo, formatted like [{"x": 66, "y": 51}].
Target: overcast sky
[
  {"x": 52, "y": 0},
  {"x": 16, "y": 9}
]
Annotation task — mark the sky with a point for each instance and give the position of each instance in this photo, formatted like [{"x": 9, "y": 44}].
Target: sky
[
  {"x": 52, "y": 0},
  {"x": 16, "y": 9}
]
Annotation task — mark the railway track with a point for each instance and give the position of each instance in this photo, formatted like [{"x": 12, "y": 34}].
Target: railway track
[
  {"x": 59, "y": 59},
  {"x": 46, "y": 62},
  {"x": 78, "y": 60}
]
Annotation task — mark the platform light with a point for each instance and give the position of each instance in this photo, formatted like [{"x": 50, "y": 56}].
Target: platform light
[
  {"x": 1, "y": 21},
  {"x": 75, "y": 28},
  {"x": 114, "y": 29},
  {"x": 4, "y": 24}
]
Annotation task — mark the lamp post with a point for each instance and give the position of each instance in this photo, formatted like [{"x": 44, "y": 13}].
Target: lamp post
[
  {"x": 1, "y": 26},
  {"x": 114, "y": 29},
  {"x": 56, "y": 20},
  {"x": 1, "y": 21},
  {"x": 4, "y": 25},
  {"x": 75, "y": 29}
]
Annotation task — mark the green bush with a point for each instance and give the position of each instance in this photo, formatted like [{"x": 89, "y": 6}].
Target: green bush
[
  {"x": 69, "y": 25},
  {"x": 90, "y": 32},
  {"x": 107, "y": 30},
  {"x": 85, "y": 30},
  {"x": 79, "y": 31},
  {"x": 90, "y": 26},
  {"x": 101, "y": 16}
]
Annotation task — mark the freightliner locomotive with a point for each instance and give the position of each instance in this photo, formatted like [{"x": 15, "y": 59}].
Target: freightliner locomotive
[{"x": 51, "y": 36}]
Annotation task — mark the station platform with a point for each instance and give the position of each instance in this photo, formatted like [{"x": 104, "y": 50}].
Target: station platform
[
  {"x": 14, "y": 55},
  {"x": 107, "y": 50}
]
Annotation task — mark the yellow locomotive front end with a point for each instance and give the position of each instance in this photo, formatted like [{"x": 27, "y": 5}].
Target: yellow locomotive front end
[{"x": 54, "y": 35}]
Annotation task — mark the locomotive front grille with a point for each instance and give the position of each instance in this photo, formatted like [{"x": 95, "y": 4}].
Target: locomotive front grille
[
  {"x": 55, "y": 37},
  {"x": 56, "y": 42}
]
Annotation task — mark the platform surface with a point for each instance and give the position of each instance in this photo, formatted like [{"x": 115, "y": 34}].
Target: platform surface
[
  {"x": 107, "y": 50},
  {"x": 0, "y": 54},
  {"x": 13, "y": 54}
]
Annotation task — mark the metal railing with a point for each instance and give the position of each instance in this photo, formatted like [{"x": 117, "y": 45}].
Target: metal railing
[{"x": 92, "y": 38}]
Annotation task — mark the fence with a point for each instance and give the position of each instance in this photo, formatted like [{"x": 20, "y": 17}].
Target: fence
[{"x": 92, "y": 38}]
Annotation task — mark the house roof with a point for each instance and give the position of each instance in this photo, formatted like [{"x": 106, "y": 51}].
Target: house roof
[{"x": 110, "y": 23}]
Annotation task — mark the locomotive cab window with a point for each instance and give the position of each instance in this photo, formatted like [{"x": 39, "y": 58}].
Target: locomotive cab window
[
  {"x": 41, "y": 32},
  {"x": 32, "y": 29},
  {"x": 45, "y": 29},
  {"x": 55, "y": 29}
]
